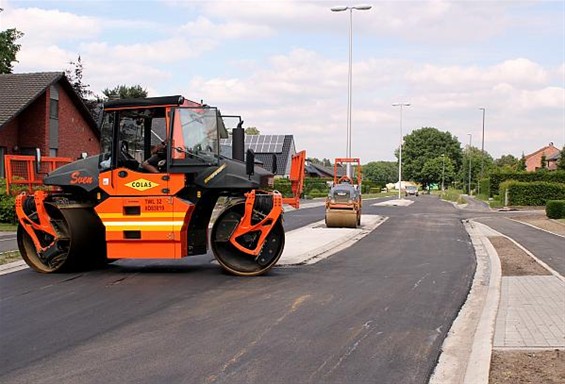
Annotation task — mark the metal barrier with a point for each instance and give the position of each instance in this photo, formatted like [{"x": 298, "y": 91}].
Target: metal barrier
[{"x": 21, "y": 175}]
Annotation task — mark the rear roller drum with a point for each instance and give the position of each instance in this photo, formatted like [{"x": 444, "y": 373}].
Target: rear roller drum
[{"x": 237, "y": 262}]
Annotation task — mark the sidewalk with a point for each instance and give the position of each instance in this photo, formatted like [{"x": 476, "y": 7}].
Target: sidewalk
[{"x": 502, "y": 313}]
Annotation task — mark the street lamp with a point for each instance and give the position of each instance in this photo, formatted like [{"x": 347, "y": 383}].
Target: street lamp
[
  {"x": 442, "y": 172},
  {"x": 401, "y": 105},
  {"x": 482, "y": 148},
  {"x": 469, "y": 154},
  {"x": 350, "y": 77}
]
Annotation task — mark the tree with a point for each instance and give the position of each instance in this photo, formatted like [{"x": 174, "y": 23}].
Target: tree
[
  {"x": 543, "y": 161},
  {"x": 561, "y": 160},
  {"x": 474, "y": 155},
  {"x": 125, "y": 92},
  {"x": 522, "y": 163},
  {"x": 381, "y": 172},
  {"x": 74, "y": 75},
  {"x": 252, "y": 131},
  {"x": 439, "y": 169},
  {"x": 424, "y": 144},
  {"x": 507, "y": 163},
  {"x": 8, "y": 48}
]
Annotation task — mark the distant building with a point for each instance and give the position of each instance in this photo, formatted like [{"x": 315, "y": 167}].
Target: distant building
[
  {"x": 551, "y": 153},
  {"x": 42, "y": 110},
  {"x": 266, "y": 147}
]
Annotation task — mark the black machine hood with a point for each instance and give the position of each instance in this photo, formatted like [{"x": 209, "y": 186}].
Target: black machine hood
[{"x": 82, "y": 173}]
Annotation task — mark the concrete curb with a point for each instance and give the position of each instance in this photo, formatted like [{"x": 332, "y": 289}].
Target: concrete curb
[
  {"x": 12, "y": 267},
  {"x": 467, "y": 349}
]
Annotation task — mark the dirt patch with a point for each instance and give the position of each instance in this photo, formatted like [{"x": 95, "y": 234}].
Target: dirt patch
[
  {"x": 514, "y": 261},
  {"x": 540, "y": 220},
  {"x": 521, "y": 367}
]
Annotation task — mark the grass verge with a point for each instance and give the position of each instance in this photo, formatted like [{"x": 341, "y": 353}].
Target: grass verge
[
  {"x": 10, "y": 256},
  {"x": 8, "y": 227}
]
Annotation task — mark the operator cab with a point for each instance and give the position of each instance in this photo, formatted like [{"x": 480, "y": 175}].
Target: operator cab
[{"x": 190, "y": 132}]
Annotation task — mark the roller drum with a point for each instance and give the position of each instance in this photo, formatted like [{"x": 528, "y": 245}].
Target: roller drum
[
  {"x": 341, "y": 218},
  {"x": 80, "y": 243}
]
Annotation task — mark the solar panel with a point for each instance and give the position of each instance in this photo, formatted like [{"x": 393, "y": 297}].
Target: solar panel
[{"x": 261, "y": 143}]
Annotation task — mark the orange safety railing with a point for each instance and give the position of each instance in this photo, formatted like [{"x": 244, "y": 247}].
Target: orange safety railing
[{"x": 20, "y": 171}]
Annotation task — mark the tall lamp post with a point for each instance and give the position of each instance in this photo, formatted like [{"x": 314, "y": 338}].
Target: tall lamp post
[
  {"x": 469, "y": 153},
  {"x": 401, "y": 105},
  {"x": 482, "y": 149},
  {"x": 442, "y": 172},
  {"x": 350, "y": 77}
]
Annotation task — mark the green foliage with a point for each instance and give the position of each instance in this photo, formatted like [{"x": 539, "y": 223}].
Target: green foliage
[
  {"x": 381, "y": 172},
  {"x": 311, "y": 184},
  {"x": 74, "y": 76},
  {"x": 9, "y": 49},
  {"x": 497, "y": 178},
  {"x": 531, "y": 193},
  {"x": 555, "y": 209},
  {"x": 437, "y": 169},
  {"x": 561, "y": 160},
  {"x": 484, "y": 186},
  {"x": 507, "y": 163},
  {"x": 252, "y": 131},
  {"x": 522, "y": 164},
  {"x": 125, "y": 92},
  {"x": 7, "y": 204},
  {"x": 424, "y": 144}
]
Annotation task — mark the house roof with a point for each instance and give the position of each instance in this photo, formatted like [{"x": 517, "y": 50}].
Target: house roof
[
  {"x": 19, "y": 90},
  {"x": 549, "y": 150},
  {"x": 556, "y": 156}
]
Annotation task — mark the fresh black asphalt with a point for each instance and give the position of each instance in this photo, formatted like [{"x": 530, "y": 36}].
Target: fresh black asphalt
[{"x": 375, "y": 312}]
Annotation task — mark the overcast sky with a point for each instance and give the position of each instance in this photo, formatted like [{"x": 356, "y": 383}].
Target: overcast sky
[{"x": 283, "y": 65}]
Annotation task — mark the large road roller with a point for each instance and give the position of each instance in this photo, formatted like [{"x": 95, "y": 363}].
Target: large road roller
[
  {"x": 343, "y": 204},
  {"x": 113, "y": 206}
]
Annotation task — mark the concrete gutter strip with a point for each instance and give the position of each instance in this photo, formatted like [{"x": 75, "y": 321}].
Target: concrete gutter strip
[
  {"x": 466, "y": 351},
  {"x": 12, "y": 267}
]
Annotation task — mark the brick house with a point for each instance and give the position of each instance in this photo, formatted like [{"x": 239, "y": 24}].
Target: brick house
[
  {"x": 42, "y": 110},
  {"x": 551, "y": 153}
]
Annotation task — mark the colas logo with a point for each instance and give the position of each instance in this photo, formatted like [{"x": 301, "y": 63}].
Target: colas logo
[{"x": 142, "y": 184}]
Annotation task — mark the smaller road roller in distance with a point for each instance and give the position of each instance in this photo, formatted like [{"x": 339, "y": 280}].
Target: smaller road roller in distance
[
  {"x": 112, "y": 206},
  {"x": 343, "y": 204}
]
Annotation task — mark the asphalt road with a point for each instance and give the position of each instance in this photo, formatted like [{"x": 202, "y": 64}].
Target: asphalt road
[
  {"x": 542, "y": 244},
  {"x": 8, "y": 241},
  {"x": 376, "y": 312}
]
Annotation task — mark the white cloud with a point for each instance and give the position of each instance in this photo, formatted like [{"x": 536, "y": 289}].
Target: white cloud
[{"x": 49, "y": 26}]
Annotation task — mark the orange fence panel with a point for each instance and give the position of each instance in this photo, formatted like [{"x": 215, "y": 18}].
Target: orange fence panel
[{"x": 21, "y": 175}]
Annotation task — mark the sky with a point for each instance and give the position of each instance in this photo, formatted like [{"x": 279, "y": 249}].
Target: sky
[{"x": 283, "y": 65}]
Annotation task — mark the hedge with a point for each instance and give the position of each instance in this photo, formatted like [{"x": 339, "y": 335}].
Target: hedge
[
  {"x": 7, "y": 205},
  {"x": 555, "y": 209},
  {"x": 531, "y": 194},
  {"x": 497, "y": 178}
]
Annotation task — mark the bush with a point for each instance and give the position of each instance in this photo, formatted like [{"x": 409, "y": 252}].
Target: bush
[
  {"x": 498, "y": 178},
  {"x": 531, "y": 194},
  {"x": 7, "y": 205},
  {"x": 555, "y": 209}
]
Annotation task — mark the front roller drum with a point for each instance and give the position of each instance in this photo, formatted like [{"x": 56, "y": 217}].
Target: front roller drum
[
  {"x": 341, "y": 218},
  {"x": 79, "y": 245},
  {"x": 237, "y": 262}
]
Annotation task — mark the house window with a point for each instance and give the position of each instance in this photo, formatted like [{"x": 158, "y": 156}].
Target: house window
[
  {"x": 53, "y": 152},
  {"x": 54, "y": 109},
  {"x": 53, "y": 102}
]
